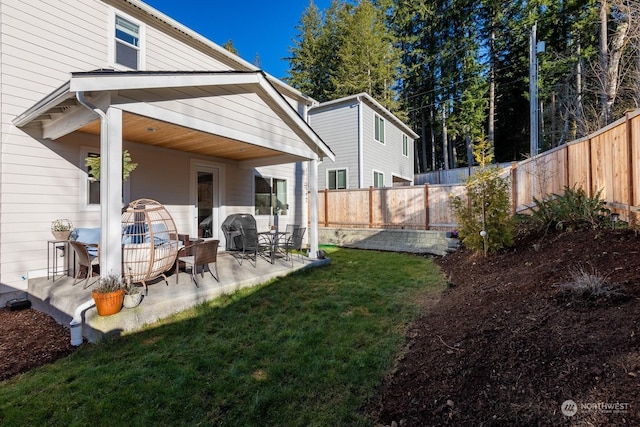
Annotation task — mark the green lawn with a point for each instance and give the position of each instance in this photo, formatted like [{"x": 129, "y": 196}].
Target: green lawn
[{"x": 305, "y": 350}]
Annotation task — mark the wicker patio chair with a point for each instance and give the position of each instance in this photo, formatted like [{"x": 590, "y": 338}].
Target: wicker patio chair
[
  {"x": 149, "y": 242},
  {"x": 84, "y": 260},
  {"x": 205, "y": 253}
]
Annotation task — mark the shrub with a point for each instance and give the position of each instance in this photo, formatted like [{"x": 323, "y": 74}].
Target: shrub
[
  {"x": 573, "y": 210},
  {"x": 485, "y": 207}
]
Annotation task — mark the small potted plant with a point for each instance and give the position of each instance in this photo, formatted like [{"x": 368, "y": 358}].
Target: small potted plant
[
  {"x": 132, "y": 295},
  {"x": 61, "y": 229},
  {"x": 108, "y": 295}
]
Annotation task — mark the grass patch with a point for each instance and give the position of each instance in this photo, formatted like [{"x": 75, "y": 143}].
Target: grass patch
[{"x": 307, "y": 349}]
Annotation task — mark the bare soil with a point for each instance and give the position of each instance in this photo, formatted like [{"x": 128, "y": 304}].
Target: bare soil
[
  {"x": 505, "y": 345},
  {"x": 508, "y": 342}
]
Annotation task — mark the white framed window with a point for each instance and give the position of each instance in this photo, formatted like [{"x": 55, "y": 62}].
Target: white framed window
[
  {"x": 337, "y": 179},
  {"x": 405, "y": 145},
  {"x": 379, "y": 128},
  {"x": 270, "y": 196},
  {"x": 90, "y": 187},
  {"x": 378, "y": 179},
  {"x": 126, "y": 42}
]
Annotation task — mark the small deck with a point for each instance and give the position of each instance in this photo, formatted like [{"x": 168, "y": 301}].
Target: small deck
[{"x": 60, "y": 298}]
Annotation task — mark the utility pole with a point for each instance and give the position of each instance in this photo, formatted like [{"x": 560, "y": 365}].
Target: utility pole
[
  {"x": 533, "y": 91},
  {"x": 534, "y": 104}
]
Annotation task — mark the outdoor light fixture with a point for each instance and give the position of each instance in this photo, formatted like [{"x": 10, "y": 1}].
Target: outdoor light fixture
[{"x": 614, "y": 218}]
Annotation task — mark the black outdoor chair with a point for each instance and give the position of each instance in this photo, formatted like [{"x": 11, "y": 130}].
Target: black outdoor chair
[
  {"x": 251, "y": 246},
  {"x": 294, "y": 243}
]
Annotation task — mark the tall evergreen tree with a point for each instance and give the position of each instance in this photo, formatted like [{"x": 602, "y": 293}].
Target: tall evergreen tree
[
  {"x": 347, "y": 51},
  {"x": 307, "y": 71},
  {"x": 366, "y": 57}
]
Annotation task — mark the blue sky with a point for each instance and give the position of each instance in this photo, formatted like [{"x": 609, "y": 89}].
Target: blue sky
[{"x": 266, "y": 28}]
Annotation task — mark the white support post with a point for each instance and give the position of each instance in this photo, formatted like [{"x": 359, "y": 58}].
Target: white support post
[
  {"x": 111, "y": 193},
  {"x": 313, "y": 209}
]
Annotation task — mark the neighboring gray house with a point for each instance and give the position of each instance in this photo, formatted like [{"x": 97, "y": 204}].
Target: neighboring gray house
[
  {"x": 373, "y": 148},
  {"x": 212, "y": 134}
]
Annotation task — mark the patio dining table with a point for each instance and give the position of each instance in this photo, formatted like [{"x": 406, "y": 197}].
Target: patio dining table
[{"x": 272, "y": 239}]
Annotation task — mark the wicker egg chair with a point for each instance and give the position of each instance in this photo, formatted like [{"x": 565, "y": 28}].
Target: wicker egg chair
[{"x": 149, "y": 242}]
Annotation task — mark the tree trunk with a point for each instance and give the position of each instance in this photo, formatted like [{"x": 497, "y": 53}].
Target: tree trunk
[{"x": 445, "y": 142}]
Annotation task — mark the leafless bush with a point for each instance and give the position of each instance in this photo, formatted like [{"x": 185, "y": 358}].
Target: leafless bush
[{"x": 589, "y": 284}]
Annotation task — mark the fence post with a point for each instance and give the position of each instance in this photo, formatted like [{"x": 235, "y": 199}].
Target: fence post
[
  {"x": 426, "y": 206},
  {"x": 514, "y": 193},
  {"x": 566, "y": 165},
  {"x": 370, "y": 206},
  {"x": 630, "y": 191},
  {"x": 589, "y": 169},
  {"x": 326, "y": 207}
]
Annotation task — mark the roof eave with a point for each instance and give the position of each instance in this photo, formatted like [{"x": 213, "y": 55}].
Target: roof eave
[{"x": 45, "y": 104}]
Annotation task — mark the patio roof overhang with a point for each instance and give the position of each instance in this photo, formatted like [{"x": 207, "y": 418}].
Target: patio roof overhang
[{"x": 232, "y": 114}]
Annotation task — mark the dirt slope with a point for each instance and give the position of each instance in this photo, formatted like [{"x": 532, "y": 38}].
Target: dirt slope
[{"x": 508, "y": 343}]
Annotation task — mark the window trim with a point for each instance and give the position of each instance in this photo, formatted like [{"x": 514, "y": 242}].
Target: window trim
[
  {"x": 379, "y": 135},
  {"x": 346, "y": 178},
  {"x": 112, "y": 41},
  {"x": 374, "y": 172},
  {"x": 405, "y": 145},
  {"x": 83, "y": 194},
  {"x": 270, "y": 178}
]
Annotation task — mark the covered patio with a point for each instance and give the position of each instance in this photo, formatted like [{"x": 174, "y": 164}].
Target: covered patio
[{"x": 235, "y": 121}]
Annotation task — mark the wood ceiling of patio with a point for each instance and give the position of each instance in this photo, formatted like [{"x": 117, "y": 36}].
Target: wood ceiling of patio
[{"x": 161, "y": 134}]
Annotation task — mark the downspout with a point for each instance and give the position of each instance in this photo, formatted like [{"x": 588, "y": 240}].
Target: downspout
[
  {"x": 76, "y": 322},
  {"x": 360, "y": 144}
]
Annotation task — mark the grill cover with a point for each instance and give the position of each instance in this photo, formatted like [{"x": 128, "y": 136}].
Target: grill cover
[{"x": 231, "y": 229}]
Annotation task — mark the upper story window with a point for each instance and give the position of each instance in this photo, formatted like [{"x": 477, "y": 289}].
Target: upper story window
[
  {"x": 379, "y": 128},
  {"x": 270, "y": 196},
  {"x": 337, "y": 179},
  {"x": 127, "y": 42},
  {"x": 405, "y": 145}
]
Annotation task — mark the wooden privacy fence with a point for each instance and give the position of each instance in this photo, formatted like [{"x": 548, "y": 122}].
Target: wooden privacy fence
[
  {"x": 607, "y": 161},
  {"x": 413, "y": 208}
]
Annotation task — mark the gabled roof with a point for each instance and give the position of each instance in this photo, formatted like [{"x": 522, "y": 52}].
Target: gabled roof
[
  {"x": 138, "y": 92},
  {"x": 365, "y": 97}
]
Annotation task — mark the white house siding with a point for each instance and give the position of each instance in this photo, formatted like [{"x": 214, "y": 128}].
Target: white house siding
[
  {"x": 40, "y": 45},
  {"x": 42, "y": 42},
  {"x": 386, "y": 158},
  {"x": 337, "y": 125}
]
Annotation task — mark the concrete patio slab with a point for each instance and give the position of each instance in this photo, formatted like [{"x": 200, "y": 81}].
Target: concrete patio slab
[{"x": 61, "y": 299}]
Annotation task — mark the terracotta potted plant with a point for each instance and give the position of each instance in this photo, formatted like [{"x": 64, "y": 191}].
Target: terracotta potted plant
[
  {"x": 132, "y": 295},
  {"x": 61, "y": 229},
  {"x": 108, "y": 295}
]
